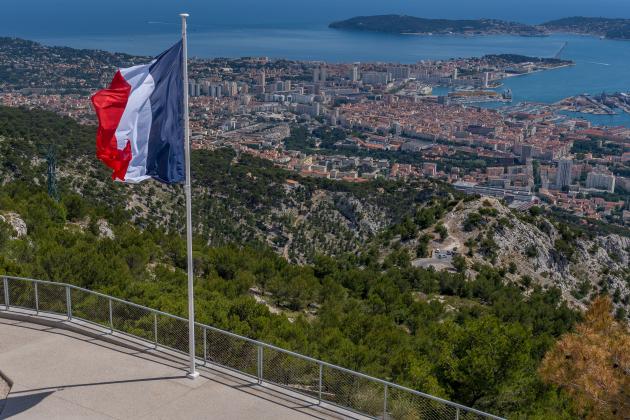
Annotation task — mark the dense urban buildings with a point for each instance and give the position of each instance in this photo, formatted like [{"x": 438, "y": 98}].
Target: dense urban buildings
[{"x": 360, "y": 121}]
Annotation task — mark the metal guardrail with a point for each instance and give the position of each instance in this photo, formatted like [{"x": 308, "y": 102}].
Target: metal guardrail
[{"x": 262, "y": 362}]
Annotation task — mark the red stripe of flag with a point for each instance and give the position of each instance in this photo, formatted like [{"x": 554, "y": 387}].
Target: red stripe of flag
[{"x": 109, "y": 105}]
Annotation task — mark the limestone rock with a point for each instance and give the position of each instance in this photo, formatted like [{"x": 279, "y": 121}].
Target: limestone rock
[
  {"x": 15, "y": 221},
  {"x": 104, "y": 230}
]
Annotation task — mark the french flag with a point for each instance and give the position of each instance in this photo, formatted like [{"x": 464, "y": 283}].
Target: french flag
[{"x": 141, "y": 129}]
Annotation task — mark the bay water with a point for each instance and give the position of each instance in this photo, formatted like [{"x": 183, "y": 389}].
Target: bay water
[{"x": 600, "y": 65}]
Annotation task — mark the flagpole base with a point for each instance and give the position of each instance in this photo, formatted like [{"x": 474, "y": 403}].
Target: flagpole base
[{"x": 192, "y": 375}]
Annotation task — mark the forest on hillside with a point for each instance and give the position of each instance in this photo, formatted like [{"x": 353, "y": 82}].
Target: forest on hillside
[{"x": 480, "y": 342}]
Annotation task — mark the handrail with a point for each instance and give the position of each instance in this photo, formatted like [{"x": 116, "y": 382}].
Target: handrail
[{"x": 257, "y": 343}]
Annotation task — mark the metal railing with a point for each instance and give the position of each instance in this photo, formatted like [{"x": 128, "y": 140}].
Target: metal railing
[{"x": 263, "y": 363}]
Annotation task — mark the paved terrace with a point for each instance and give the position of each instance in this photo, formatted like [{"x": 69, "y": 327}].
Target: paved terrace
[{"x": 69, "y": 371}]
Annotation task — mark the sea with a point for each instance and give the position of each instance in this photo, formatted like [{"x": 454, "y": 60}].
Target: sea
[{"x": 601, "y": 65}]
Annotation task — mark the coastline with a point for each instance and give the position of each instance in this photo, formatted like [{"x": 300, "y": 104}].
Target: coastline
[
  {"x": 456, "y": 34},
  {"x": 366, "y": 47},
  {"x": 511, "y": 75},
  {"x": 594, "y": 35}
]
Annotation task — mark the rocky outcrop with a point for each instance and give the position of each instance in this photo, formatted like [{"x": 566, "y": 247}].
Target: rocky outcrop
[
  {"x": 104, "y": 230},
  {"x": 16, "y": 223},
  {"x": 535, "y": 248}
]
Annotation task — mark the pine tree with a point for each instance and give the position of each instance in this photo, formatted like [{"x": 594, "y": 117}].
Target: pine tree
[{"x": 592, "y": 364}]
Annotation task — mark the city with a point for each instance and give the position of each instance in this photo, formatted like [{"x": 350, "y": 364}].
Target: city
[{"x": 385, "y": 120}]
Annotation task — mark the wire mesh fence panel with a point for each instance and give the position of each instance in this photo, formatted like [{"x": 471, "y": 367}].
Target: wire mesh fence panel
[
  {"x": 90, "y": 307},
  {"x": 21, "y": 293},
  {"x": 404, "y": 405},
  {"x": 2, "y": 301},
  {"x": 199, "y": 341},
  {"x": 51, "y": 298},
  {"x": 353, "y": 391},
  {"x": 132, "y": 320},
  {"x": 290, "y": 371},
  {"x": 231, "y": 352},
  {"x": 172, "y": 332}
]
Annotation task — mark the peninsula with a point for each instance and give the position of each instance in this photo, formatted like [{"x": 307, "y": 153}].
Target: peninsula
[{"x": 404, "y": 24}]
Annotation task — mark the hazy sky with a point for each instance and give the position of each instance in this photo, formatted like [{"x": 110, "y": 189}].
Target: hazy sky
[{"x": 23, "y": 17}]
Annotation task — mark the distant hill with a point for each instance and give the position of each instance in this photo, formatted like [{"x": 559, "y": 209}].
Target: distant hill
[
  {"x": 606, "y": 27},
  {"x": 401, "y": 24}
]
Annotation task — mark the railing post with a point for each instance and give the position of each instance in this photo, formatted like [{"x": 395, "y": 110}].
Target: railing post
[
  {"x": 111, "y": 318},
  {"x": 36, "y": 299},
  {"x": 205, "y": 346},
  {"x": 321, "y": 376},
  {"x": 457, "y": 414},
  {"x": 260, "y": 364},
  {"x": 385, "y": 416},
  {"x": 5, "y": 282},
  {"x": 155, "y": 338},
  {"x": 68, "y": 303}
]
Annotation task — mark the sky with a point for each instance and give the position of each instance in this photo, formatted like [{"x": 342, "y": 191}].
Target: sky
[{"x": 89, "y": 17}]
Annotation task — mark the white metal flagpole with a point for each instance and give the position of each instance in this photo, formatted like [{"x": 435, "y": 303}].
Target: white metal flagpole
[{"x": 192, "y": 374}]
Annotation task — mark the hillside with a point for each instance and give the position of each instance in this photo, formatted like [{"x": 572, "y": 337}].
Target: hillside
[
  {"x": 84, "y": 69},
  {"x": 535, "y": 249},
  {"x": 605, "y": 27},
  {"x": 240, "y": 199},
  {"x": 385, "y": 317},
  {"x": 477, "y": 336},
  {"x": 236, "y": 199},
  {"x": 403, "y": 24}
]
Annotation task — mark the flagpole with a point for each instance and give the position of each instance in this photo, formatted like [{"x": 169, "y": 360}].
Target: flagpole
[{"x": 192, "y": 374}]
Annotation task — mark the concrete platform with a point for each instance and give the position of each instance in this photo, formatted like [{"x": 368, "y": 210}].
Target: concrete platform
[{"x": 75, "y": 373}]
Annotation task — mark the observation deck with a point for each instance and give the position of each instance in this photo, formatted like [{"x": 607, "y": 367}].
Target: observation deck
[
  {"x": 74, "y": 353},
  {"x": 68, "y": 373}
]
